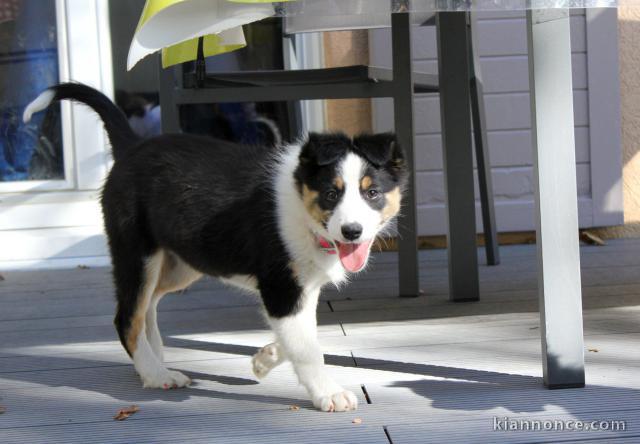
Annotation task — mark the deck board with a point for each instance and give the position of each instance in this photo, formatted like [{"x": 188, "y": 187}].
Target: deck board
[{"x": 434, "y": 371}]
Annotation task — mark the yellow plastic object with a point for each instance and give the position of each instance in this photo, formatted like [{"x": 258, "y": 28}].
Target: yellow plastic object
[
  {"x": 186, "y": 51},
  {"x": 174, "y": 27}
]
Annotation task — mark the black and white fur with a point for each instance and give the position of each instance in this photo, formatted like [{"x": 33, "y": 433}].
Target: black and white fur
[{"x": 177, "y": 207}]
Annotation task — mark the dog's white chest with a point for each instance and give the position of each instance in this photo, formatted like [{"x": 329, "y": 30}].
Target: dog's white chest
[{"x": 245, "y": 282}]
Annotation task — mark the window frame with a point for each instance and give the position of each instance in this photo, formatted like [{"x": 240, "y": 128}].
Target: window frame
[{"x": 85, "y": 152}]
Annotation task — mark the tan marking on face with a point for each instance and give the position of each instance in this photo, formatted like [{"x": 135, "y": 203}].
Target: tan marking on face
[
  {"x": 339, "y": 183},
  {"x": 365, "y": 182},
  {"x": 392, "y": 205},
  {"x": 310, "y": 200}
]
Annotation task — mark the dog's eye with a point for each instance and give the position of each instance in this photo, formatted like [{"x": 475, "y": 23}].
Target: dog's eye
[
  {"x": 373, "y": 194},
  {"x": 331, "y": 195}
]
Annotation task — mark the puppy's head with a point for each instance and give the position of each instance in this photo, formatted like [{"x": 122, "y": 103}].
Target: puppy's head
[{"x": 351, "y": 189}]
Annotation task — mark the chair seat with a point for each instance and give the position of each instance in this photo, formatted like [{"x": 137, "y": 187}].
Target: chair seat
[{"x": 423, "y": 83}]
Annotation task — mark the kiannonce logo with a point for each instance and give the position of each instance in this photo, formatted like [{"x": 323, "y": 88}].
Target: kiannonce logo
[{"x": 506, "y": 424}]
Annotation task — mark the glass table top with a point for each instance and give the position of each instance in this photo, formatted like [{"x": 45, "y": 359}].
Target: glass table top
[
  {"x": 365, "y": 7},
  {"x": 174, "y": 25},
  {"x": 329, "y": 15}
]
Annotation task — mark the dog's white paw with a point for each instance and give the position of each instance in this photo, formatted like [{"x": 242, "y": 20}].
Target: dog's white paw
[
  {"x": 168, "y": 379},
  {"x": 338, "y": 402},
  {"x": 267, "y": 358}
]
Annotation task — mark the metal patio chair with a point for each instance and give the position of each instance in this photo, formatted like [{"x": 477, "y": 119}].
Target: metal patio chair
[{"x": 456, "y": 58}]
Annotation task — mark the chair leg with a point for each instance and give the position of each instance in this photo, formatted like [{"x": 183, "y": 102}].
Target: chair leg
[
  {"x": 409, "y": 282},
  {"x": 294, "y": 114},
  {"x": 453, "y": 69},
  {"x": 482, "y": 150},
  {"x": 169, "y": 110}
]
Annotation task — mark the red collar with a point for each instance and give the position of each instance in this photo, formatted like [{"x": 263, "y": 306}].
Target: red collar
[{"x": 326, "y": 245}]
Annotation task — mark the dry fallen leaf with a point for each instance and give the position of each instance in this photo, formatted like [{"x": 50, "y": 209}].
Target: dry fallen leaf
[
  {"x": 294, "y": 408},
  {"x": 357, "y": 421},
  {"x": 594, "y": 350},
  {"x": 1, "y": 277},
  {"x": 83, "y": 267},
  {"x": 589, "y": 238},
  {"x": 126, "y": 412},
  {"x": 2, "y": 410}
]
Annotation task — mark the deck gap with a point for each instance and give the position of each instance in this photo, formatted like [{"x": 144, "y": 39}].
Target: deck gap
[
  {"x": 342, "y": 328},
  {"x": 366, "y": 394},
  {"x": 386, "y": 432},
  {"x": 330, "y": 307},
  {"x": 355, "y": 362}
]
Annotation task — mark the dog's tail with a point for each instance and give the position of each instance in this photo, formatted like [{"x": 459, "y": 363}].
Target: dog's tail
[{"x": 120, "y": 133}]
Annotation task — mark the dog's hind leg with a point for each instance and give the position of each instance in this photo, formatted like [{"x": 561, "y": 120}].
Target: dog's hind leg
[
  {"x": 268, "y": 357},
  {"x": 175, "y": 275},
  {"x": 134, "y": 300}
]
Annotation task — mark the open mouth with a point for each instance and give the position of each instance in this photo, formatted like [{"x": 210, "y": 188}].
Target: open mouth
[{"x": 353, "y": 256}]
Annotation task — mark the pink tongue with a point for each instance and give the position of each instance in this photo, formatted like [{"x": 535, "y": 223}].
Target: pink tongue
[{"x": 353, "y": 256}]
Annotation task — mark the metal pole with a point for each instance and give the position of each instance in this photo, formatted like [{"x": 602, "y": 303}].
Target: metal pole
[
  {"x": 409, "y": 284},
  {"x": 455, "y": 113},
  {"x": 556, "y": 198}
]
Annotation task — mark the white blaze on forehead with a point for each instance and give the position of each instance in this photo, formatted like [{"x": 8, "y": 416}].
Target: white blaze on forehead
[
  {"x": 351, "y": 169},
  {"x": 352, "y": 207}
]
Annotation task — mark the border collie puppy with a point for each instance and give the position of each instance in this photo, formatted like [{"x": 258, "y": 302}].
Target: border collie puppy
[{"x": 281, "y": 224}]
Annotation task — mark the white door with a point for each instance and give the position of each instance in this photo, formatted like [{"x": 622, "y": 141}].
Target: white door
[{"x": 51, "y": 169}]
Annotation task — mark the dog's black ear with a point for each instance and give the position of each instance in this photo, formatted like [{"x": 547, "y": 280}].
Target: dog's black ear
[
  {"x": 324, "y": 149},
  {"x": 380, "y": 149}
]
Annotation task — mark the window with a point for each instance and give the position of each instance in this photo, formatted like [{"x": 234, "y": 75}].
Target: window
[{"x": 29, "y": 63}]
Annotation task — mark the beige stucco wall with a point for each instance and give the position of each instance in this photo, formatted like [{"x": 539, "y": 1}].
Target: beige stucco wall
[
  {"x": 343, "y": 48},
  {"x": 629, "y": 47}
]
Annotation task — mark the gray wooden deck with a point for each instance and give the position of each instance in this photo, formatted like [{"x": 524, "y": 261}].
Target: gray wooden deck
[{"x": 434, "y": 371}]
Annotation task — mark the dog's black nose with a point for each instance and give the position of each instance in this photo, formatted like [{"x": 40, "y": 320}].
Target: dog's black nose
[{"x": 351, "y": 231}]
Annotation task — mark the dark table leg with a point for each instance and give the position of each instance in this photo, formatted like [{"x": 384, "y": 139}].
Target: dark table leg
[
  {"x": 455, "y": 106},
  {"x": 404, "y": 126},
  {"x": 169, "y": 115}
]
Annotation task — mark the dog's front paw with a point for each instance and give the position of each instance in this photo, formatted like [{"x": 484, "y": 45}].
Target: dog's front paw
[
  {"x": 267, "y": 358},
  {"x": 168, "y": 379},
  {"x": 338, "y": 402}
]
